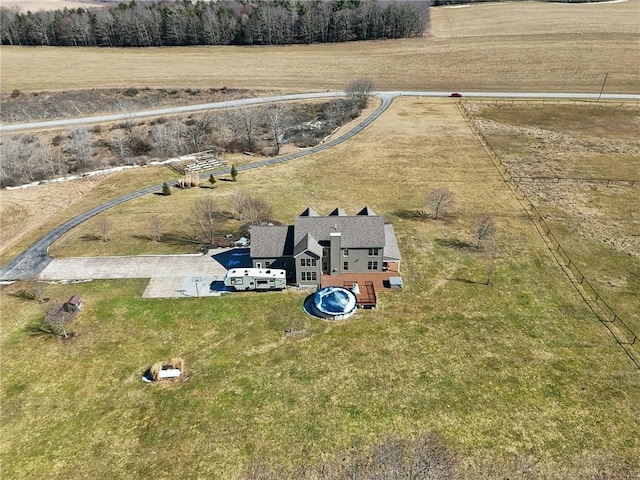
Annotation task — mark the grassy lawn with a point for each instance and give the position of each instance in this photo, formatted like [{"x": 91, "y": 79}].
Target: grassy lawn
[
  {"x": 501, "y": 47},
  {"x": 597, "y": 224},
  {"x": 500, "y": 373},
  {"x": 33, "y": 212}
]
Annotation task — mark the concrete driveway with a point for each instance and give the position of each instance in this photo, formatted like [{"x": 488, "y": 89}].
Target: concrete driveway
[{"x": 170, "y": 275}]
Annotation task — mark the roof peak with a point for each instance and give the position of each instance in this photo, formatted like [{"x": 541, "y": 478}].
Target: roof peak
[
  {"x": 338, "y": 212},
  {"x": 368, "y": 212},
  {"x": 309, "y": 212}
]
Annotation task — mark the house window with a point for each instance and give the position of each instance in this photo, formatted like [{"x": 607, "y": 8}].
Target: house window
[
  {"x": 373, "y": 252},
  {"x": 325, "y": 266},
  {"x": 345, "y": 252},
  {"x": 308, "y": 276},
  {"x": 372, "y": 265},
  {"x": 345, "y": 266},
  {"x": 267, "y": 264},
  {"x": 308, "y": 262},
  {"x": 325, "y": 252}
]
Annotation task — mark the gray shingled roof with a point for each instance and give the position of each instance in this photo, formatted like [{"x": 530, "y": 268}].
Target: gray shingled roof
[
  {"x": 391, "y": 249},
  {"x": 357, "y": 231},
  {"x": 271, "y": 241},
  {"x": 308, "y": 243}
]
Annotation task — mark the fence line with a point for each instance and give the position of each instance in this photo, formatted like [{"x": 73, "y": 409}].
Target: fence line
[
  {"x": 602, "y": 103},
  {"x": 621, "y": 332},
  {"x": 604, "y": 181}
]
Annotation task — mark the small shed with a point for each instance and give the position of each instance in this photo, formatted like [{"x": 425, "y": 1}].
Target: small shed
[
  {"x": 73, "y": 305},
  {"x": 395, "y": 283}
]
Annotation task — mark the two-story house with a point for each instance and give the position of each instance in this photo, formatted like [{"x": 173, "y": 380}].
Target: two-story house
[{"x": 325, "y": 245}]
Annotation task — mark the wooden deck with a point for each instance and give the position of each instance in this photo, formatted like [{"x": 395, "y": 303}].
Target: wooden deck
[
  {"x": 368, "y": 283},
  {"x": 379, "y": 280},
  {"x": 366, "y": 297}
]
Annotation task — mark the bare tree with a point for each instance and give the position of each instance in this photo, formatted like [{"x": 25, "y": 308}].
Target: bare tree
[
  {"x": 126, "y": 110},
  {"x": 53, "y": 323},
  {"x": 156, "y": 227},
  {"x": 205, "y": 219},
  {"x": 57, "y": 317},
  {"x": 438, "y": 200},
  {"x": 165, "y": 138},
  {"x": 121, "y": 144},
  {"x": 37, "y": 287},
  {"x": 243, "y": 123},
  {"x": 82, "y": 146},
  {"x": 359, "y": 91},
  {"x": 483, "y": 229},
  {"x": 197, "y": 133},
  {"x": 278, "y": 116},
  {"x": 490, "y": 257},
  {"x": 257, "y": 210},
  {"x": 251, "y": 209},
  {"x": 103, "y": 227},
  {"x": 48, "y": 160},
  {"x": 240, "y": 199},
  {"x": 33, "y": 290}
]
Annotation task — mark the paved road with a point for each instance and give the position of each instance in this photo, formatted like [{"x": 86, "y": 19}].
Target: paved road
[
  {"x": 33, "y": 260},
  {"x": 19, "y": 127}
]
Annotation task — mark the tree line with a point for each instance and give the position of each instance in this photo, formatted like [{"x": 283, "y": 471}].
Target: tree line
[{"x": 247, "y": 22}]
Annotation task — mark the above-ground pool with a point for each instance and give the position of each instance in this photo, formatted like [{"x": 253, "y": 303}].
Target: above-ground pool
[{"x": 331, "y": 303}]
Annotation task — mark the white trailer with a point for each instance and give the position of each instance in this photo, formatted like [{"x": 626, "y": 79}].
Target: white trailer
[{"x": 256, "y": 279}]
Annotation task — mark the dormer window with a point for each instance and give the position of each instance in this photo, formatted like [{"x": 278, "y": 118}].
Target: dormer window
[{"x": 345, "y": 252}]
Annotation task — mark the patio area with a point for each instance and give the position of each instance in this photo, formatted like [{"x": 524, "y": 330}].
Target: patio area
[{"x": 379, "y": 280}]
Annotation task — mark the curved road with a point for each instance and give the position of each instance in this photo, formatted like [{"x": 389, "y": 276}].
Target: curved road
[{"x": 33, "y": 260}]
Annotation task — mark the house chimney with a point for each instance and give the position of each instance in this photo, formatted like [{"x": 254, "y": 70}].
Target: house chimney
[{"x": 335, "y": 240}]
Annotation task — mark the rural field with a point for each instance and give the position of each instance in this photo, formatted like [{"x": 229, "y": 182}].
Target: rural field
[
  {"x": 523, "y": 46},
  {"x": 517, "y": 376},
  {"x": 519, "y": 379}
]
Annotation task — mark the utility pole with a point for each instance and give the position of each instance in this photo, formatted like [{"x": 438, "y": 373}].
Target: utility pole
[{"x": 602, "y": 89}]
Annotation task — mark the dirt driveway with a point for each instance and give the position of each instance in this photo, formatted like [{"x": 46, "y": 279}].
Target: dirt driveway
[{"x": 170, "y": 275}]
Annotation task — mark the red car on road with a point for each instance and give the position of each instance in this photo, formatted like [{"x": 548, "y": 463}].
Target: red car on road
[{"x": 456, "y": 94}]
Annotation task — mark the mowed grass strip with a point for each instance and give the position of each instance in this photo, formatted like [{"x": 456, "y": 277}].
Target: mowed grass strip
[
  {"x": 540, "y": 47},
  {"x": 498, "y": 372}
]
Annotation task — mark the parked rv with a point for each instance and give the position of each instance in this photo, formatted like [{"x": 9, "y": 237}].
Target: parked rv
[{"x": 256, "y": 279}]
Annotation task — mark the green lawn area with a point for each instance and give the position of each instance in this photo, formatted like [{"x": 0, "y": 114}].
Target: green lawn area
[
  {"x": 501, "y": 373},
  {"x": 596, "y": 223}
]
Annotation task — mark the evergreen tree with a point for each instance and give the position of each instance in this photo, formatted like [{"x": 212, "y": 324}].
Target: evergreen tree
[
  {"x": 212, "y": 180},
  {"x": 234, "y": 173},
  {"x": 166, "y": 190}
]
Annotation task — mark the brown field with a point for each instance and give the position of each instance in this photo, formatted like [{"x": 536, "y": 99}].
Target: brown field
[
  {"x": 503, "y": 47},
  {"x": 27, "y": 215},
  {"x": 597, "y": 223}
]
